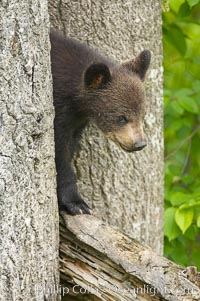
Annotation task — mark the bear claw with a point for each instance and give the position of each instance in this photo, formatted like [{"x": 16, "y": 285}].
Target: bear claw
[{"x": 76, "y": 208}]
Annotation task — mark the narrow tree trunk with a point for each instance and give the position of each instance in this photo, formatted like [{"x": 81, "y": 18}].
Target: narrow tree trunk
[
  {"x": 126, "y": 190},
  {"x": 28, "y": 205}
]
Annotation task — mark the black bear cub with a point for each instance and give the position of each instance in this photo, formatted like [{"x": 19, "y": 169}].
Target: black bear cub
[{"x": 90, "y": 87}]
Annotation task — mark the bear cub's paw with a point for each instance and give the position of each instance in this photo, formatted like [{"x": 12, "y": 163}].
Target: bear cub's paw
[{"x": 75, "y": 207}]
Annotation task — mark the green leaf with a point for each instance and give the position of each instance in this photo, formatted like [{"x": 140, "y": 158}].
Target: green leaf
[
  {"x": 175, "y": 4},
  {"x": 183, "y": 218},
  {"x": 171, "y": 229},
  {"x": 179, "y": 198},
  {"x": 176, "y": 37},
  {"x": 177, "y": 107},
  {"x": 198, "y": 221},
  {"x": 192, "y": 2},
  {"x": 194, "y": 257},
  {"x": 191, "y": 204},
  {"x": 181, "y": 92},
  {"x": 184, "y": 10},
  {"x": 191, "y": 232},
  {"x": 189, "y": 104},
  {"x": 187, "y": 179}
]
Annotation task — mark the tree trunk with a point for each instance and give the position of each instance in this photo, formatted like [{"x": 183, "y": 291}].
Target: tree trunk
[
  {"x": 125, "y": 190},
  {"x": 28, "y": 205}
]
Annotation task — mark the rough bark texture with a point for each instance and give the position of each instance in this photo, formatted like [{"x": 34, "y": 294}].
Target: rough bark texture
[
  {"x": 28, "y": 205},
  {"x": 126, "y": 190},
  {"x": 101, "y": 263}
]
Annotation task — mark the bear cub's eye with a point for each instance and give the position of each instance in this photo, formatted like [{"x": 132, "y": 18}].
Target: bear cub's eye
[{"x": 122, "y": 120}]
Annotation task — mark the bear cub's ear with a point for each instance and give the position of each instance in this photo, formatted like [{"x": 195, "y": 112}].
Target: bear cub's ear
[
  {"x": 97, "y": 75},
  {"x": 140, "y": 64}
]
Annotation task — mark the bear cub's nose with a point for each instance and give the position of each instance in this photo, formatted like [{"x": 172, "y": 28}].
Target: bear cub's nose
[{"x": 140, "y": 144}]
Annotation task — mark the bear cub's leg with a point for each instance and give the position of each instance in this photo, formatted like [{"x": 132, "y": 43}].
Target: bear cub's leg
[{"x": 69, "y": 199}]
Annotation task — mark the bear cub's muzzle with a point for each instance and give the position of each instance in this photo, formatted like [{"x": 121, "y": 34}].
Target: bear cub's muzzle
[{"x": 137, "y": 146}]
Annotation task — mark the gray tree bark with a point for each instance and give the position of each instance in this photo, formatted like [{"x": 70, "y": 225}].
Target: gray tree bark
[
  {"x": 28, "y": 205},
  {"x": 125, "y": 190},
  {"x": 101, "y": 263}
]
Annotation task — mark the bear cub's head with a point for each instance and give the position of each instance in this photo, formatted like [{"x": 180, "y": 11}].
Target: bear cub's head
[{"x": 115, "y": 100}]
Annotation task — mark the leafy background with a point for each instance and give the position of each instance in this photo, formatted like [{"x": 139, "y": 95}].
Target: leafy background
[{"x": 181, "y": 42}]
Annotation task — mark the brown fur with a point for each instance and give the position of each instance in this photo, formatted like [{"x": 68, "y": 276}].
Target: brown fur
[
  {"x": 128, "y": 135},
  {"x": 90, "y": 87}
]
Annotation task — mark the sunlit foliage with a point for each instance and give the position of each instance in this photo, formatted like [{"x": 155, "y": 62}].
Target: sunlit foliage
[{"x": 181, "y": 41}]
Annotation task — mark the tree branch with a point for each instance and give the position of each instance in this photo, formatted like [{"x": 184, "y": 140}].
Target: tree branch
[{"x": 99, "y": 262}]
